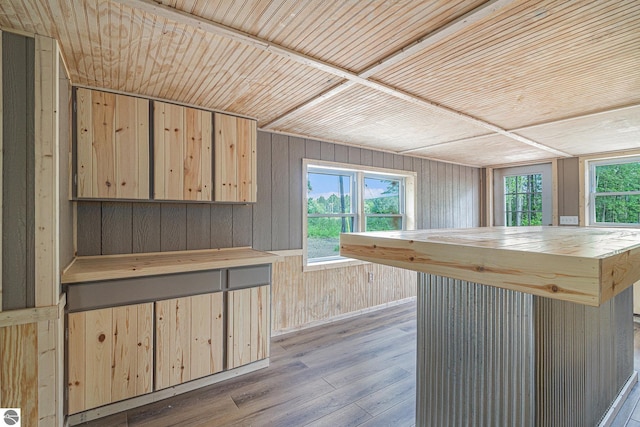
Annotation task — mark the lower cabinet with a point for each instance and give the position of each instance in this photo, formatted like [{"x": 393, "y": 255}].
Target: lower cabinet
[
  {"x": 110, "y": 355},
  {"x": 249, "y": 322},
  {"x": 129, "y": 350},
  {"x": 189, "y": 338}
]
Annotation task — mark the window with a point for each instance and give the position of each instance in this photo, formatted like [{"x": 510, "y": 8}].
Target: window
[
  {"x": 614, "y": 192},
  {"x": 523, "y": 200},
  {"x": 340, "y": 199},
  {"x": 523, "y": 195}
]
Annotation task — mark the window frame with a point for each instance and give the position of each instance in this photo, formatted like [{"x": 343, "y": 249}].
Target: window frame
[
  {"x": 407, "y": 203},
  {"x": 592, "y": 164}
]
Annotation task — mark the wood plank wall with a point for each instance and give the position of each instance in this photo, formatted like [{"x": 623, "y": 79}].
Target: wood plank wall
[
  {"x": 18, "y": 281},
  {"x": 448, "y": 196}
]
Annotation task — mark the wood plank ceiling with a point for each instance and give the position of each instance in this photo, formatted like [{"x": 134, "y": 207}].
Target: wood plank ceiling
[{"x": 465, "y": 81}]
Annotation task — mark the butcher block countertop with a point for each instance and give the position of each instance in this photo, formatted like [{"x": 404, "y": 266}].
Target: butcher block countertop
[
  {"x": 585, "y": 265},
  {"x": 109, "y": 267}
]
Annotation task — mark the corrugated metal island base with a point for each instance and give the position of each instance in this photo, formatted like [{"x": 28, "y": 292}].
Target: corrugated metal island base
[{"x": 517, "y": 326}]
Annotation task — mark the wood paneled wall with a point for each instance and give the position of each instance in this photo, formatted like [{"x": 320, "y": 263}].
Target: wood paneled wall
[
  {"x": 18, "y": 282},
  {"x": 300, "y": 299}
]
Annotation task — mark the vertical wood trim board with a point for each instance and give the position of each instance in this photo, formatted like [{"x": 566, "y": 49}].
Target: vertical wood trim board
[
  {"x": 47, "y": 176},
  {"x": 1, "y": 172}
]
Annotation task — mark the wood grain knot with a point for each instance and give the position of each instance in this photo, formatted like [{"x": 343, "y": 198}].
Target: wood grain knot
[
  {"x": 375, "y": 246},
  {"x": 107, "y": 183},
  {"x": 412, "y": 258},
  {"x": 102, "y": 337},
  {"x": 480, "y": 269},
  {"x": 554, "y": 288},
  {"x": 123, "y": 183}
]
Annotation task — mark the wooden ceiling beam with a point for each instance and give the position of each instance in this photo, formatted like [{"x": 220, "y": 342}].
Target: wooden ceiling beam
[
  {"x": 215, "y": 28},
  {"x": 520, "y": 129}
]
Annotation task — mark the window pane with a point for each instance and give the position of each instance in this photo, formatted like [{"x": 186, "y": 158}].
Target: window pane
[
  {"x": 381, "y": 196},
  {"x": 327, "y": 193},
  {"x": 618, "y": 177},
  {"x": 378, "y": 223},
  {"x": 618, "y": 209},
  {"x": 523, "y": 200},
  {"x": 323, "y": 235}
]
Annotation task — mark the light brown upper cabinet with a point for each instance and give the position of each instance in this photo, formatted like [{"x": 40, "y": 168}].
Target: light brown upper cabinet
[
  {"x": 235, "y": 159},
  {"x": 112, "y": 145},
  {"x": 182, "y": 153}
]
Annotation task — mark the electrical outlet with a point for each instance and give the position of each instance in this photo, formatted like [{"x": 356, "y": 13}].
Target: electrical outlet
[
  {"x": 569, "y": 220},
  {"x": 370, "y": 277}
]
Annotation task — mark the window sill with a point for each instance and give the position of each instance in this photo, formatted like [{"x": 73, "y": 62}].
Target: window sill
[{"x": 328, "y": 265}]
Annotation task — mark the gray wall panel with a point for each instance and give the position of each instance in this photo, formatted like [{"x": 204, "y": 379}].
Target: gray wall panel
[
  {"x": 117, "y": 228},
  {"x": 146, "y": 227},
  {"x": 173, "y": 227},
  {"x": 568, "y": 187},
  {"x": 354, "y": 155},
  {"x": 262, "y": 209},
  {"x": 296, "y": 189},
  {"x": 242, "y": 225},
  {"x": 221, "y": 226},
  {"x": 89, "y": 229},
  {"x": 312, "y": 149},
  {"x": 327, "y": 151},
  {"x": 388, "y": 160},
  {"x": 18, "y": 172},
  {"x": 341, "y": 153},
  {"x": 198, "y": 226},
  {"x": 366, "y": 157},
  {"x": 377, "y": 159},
  {"x": 280, "y": 192}
]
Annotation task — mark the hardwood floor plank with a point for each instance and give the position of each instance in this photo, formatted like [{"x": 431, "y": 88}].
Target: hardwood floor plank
[
  {"x": 312, "y": 410},
  {"x": 349, "y": 416},
  {"x": 388, "y": 397},
  {"x": 401, "y": 415}
]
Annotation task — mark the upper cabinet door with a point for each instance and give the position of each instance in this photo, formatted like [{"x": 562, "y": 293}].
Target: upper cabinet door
[
  {"x": 235, "y": 159},
  {"x": 112, "y": 145},
  {"x": 182, "y": 153}
]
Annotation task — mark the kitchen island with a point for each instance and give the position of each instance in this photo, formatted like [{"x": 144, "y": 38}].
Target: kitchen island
[{"x": 527, "y": 326}]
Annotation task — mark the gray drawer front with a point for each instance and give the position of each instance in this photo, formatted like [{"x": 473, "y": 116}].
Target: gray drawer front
[
  {"x": 246, "y": 277},
  {"x": 91, "y": 295}
]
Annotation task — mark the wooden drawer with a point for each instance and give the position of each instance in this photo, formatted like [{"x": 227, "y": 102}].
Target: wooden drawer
[{"x": 246, "y": 277}]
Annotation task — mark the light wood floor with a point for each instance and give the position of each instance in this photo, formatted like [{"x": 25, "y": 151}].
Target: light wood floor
[{"x": 355, "y": 372}]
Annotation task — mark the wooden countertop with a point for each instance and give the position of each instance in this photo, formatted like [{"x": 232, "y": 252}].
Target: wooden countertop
[
  {"x": 108, "y": 267},
  {"x": 580, "y": 264}
]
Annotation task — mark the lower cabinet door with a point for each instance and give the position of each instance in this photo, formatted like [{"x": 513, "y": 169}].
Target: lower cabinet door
[
  {"x": 110, "y": 355},
  {"x": 248, "y": 325},
  {"x": 189, "y": 338}
]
